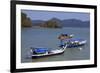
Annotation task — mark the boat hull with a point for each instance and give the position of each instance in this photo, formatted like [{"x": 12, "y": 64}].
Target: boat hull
[
  {"x": 76, "y": 44},
  {"x": 73, "y": 46},
  {"x": 47, "y": 55}
]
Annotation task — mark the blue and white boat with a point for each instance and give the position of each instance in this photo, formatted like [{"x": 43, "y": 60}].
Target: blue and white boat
[
  {"x": 42, "y": 52},
  {"x": 71, "y": 43}
]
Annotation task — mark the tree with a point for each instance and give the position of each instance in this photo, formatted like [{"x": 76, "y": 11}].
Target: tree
[{"x": 25, "y": 21}]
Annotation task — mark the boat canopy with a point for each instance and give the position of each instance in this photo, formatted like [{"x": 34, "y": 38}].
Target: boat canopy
[
  {"x": 40, "y": 50},
  {"x": 73, "y": 40}
]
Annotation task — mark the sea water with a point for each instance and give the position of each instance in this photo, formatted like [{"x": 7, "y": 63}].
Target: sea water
[{"x": 48, "y": 38}]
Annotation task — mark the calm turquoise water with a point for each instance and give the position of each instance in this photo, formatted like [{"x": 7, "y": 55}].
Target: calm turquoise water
[{"x": 46, "y": 37}]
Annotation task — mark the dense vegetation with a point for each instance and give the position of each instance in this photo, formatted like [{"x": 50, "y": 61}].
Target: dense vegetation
[
  {"x": 25, "y": 21},
  {"x": 50, "y": 24}
]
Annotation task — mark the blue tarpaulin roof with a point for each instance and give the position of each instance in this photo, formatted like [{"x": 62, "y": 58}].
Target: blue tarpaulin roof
[{"x": 41, "y": 50}]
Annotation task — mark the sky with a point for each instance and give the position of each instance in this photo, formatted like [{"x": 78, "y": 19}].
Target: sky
[{"x": 46, "y": 15}]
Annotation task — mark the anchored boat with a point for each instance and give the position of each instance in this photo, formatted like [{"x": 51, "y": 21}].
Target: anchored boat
[
  {"x": 71, "y": 43},
  {"x": 42, "y": 52}
]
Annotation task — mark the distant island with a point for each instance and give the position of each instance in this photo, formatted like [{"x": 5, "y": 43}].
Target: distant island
[{"x": 53, "y": 23}]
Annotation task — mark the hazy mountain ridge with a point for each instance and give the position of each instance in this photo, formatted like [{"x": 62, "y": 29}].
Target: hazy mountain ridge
[{"x": 62, "y": 23}]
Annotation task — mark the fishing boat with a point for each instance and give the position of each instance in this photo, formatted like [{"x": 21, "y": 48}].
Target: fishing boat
[
  {"x": 71, "y": 43},
  {"x": 42, "y": 52}
]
